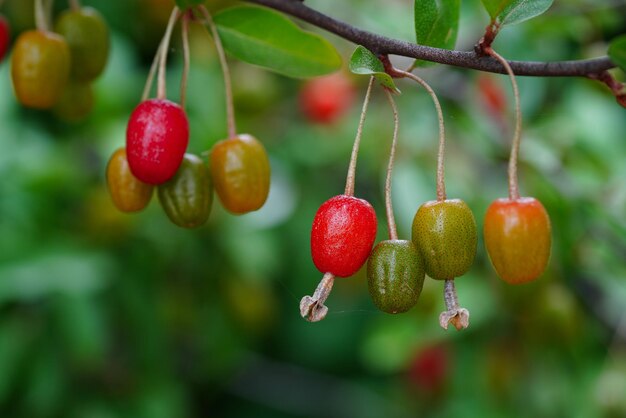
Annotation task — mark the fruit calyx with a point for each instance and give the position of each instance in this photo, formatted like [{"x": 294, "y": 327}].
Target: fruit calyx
[
  {"x": 455, "y": 315},
  {"x": 312, "y": 308}
]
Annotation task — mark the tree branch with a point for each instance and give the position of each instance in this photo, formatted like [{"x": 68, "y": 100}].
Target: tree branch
[{"x": 382, "y": 45}]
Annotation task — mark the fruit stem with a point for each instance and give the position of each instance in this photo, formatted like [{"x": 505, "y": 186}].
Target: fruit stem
[
  {"x": 517, "y": 136},
  {"x": 186, "y": 61},
  {"x": 459, "y": 317},
  {"x": 350, "y": 179},
  {"x": 41, "y": 20},
  {"x": 441, "y": 184},
  {"x": 75, "y": 5},
  {"x": 161, "y": 87},
  {"x": 151, "y": 74},
  {"x": 312, "y": 308},
  {"x": 230, "y": 107},
  {"x": 391, "y": 222}
]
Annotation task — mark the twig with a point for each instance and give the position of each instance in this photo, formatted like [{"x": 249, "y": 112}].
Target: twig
[{"x": 467, "y": 59}]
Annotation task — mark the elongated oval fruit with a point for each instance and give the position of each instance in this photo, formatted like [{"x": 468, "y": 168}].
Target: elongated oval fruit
[
  {"x": 445, "y": 234},
  {"x": 395, "y": 275},
  {"x": 344, "y": 230},
  {"x": 40, "y": 67},
  {"x": 128, "y": 193},
  {"x": 518, "y": 238},
  {"x": 5, "y": 36},
  {"x": 87, "y": 35},
  {"x": 188, "y": 196},
  {"x": 156, "y": 140},
  {"x": 240, "y": 170}
]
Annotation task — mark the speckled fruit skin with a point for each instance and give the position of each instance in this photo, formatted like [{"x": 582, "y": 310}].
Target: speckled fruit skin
[
  {"x": 188, "y": 196},
  {"x": 240, "y": 169},
  {"x": 75, "y": 103},
  {"x": 40, "y": 66},
  {"x": 5, "y": 36},
  {"x": 445, "y": 234},
  {"x": 87, "y": 35},
  {"x": 518, "y": 238},
  {"x": 395, "y": 275},
  {"x": 156, "y": 140},
  {"x": 344, "y": 230},
  {"x": 127, "y": 192},
  {"x": 325, "y": 99}
]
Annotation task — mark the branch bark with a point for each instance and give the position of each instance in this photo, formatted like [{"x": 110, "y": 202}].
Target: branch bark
[{"x": 381, "y": 45}]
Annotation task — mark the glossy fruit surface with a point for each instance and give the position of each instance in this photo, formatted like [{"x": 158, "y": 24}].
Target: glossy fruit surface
[
  {"x": 156, "y": 140},
  {"x": 127, "y": 192},
  {"x": 517, "y": 236},
  {"x": 445, "y": 234},
  {"x": 40, "y": 67},
  {"x": 395, "y": 275},
  {"x": 325, "y": 99},
  {"x": 5, "y": 36},
  {"x": 75, "y": 103},
  {"x": 344, "y": 230},
  {"x": 187, "y": 197},
  {"x": 240, "y": 169},
  {"x": 87, "y": 35}
]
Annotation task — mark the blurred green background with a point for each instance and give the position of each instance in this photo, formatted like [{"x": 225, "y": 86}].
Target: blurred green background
[{"x": 110, "y": 315}]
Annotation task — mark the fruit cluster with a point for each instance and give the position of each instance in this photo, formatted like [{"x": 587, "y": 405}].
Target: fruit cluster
[
  {"x": 443, "y": 242},
  {"x": 55, "y": 69},
  {"x": 157, "y": 138}
]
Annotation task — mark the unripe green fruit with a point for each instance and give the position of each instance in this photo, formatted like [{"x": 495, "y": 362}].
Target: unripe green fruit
[
  {"x": 87, "y": 35},
  {"x": 188, "y": 196},
  {"x": 445, "y": 234},
  {"x": 395, "y": 275}
]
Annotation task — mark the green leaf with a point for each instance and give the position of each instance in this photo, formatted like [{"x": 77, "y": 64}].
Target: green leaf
[
  {"x": 365, "y": 63},
  {"x": 617, "y": 51},
  {"x": 266, "y": 38},
  {"x": 508, "y": 12},
  {"x": 437, "y": 22}
]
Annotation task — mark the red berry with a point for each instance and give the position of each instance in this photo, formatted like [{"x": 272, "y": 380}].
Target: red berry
[
  {"x": 343, "y": 233},
  {"x": 5, "y": 36},
  {"x": 156, "y": 140},
  {"x": 326, "y": 99},
  {"x": 518, "y": 238},
  {"x": 492, "y": 95}
]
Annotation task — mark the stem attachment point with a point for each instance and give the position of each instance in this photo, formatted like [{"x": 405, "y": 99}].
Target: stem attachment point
[
  {"x": 455, "y": 315},
  {"x": 312, "y": 308}
]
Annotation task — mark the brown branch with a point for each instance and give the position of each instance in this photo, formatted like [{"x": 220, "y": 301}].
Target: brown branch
[{"x": 381, "y": 45}]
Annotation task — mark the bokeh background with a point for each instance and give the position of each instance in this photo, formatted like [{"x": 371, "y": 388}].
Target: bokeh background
[{"x": 110, "y": 315}]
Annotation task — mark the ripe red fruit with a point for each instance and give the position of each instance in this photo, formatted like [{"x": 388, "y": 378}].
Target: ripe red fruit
[
  {"x": 326, "y": 99},
  {"x": 518, "y": 238},
  {"x": 344, "y": 229},
  {"x": 5, "y": 36},
  {"x": 156, "y": 140}
]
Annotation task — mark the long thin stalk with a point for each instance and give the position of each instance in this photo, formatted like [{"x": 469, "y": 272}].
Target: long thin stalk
[
  {"x": 152, "y": 72},
  {"x": 350, "y": 179},
  {"x": 186, "y": 61},
  {"x": 161, "y": 87},
  {"x": 391, "y": 222},
  {"x": 441, "y": 185},
  {"x": 75, "y": 5},
  {"x": 41, "y": 19},
  {"x": 517, "y": 136},
  {"x": 230, "y": 107}
]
